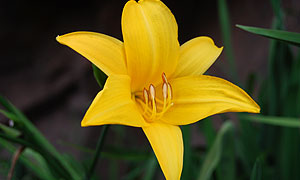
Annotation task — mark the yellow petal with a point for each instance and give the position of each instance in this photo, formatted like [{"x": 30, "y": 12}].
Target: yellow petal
[
  {"x": 198, "y": 97},
  {"x": 166, "y": 142},
  {"x": 113, "y": 105},
  {"x": 196, "y": 56},
  {"x": 106, "y": 52},
  {"x": 150, "y": 41}
]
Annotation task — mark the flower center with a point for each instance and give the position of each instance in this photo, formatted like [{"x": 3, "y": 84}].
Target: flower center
[{"x": 154, "y": 106}]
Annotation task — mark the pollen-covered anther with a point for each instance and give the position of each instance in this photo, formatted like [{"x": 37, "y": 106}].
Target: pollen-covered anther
[
  {"x": 165, "y": 90},
  {"x": 153, "y": 102},
  {"x": 146, "y": 96},
  {"x": 152, "y": 91},
  {"x": 164, "y": 77}
]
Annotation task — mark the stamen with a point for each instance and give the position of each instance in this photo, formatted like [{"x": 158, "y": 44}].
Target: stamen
[
  {"x": 164, "y": 77},
  {"x": 152, "y": 91},
  {"x": 154, "y": 108},
  {"x": 146, "y": 100},
  {"x": 152, "y": 95},
  {"x": 146, "y": 96},
  {"x": 165, "y": 90},
  {"x": 165, "y": 94},
  {"x": 169, "y": 93}
]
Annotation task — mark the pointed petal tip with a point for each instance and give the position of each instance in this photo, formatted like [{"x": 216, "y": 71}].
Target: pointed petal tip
[
  {"x": 204, "y": 96},
  {"x": 256, "y": 108},
  {"x": 59, "y": 38},
  {"x": 167, "y": 144},
  {"x": 83, "y": 123}
]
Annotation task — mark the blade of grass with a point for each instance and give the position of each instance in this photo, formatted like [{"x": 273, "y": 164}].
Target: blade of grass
[
  {"x": 98, "y": 151},
  {"x": 151, "y": 168},
  {"x": 273, "y": 120},
  {"x": 134, "y": 174},
  {"x": 226, "y": 167},
  {"x": 10, "y": 131},
  {"x": 214, "y": 154},
  {"x": 226, "y": 35},
  {"x": 56, "y": 168},
  {"x": 37, "y": 141},
  {"x": 15, "y": 140},
  {"x": 276, "y": 6},
  {"x": 289, "y": 155},
  {"x": 208, "y": 130},
  {"x": 284, "y": 36},
  {"x": 247, "y": 146},
  {"x": 257, "y": 170},
  {"x": 296, "y": 80},
  {"x": 38, "y": 166}
]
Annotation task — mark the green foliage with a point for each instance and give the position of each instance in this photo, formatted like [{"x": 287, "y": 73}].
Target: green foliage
[
  {"x": 257, "y": 170},
  {"x": 213, "y": 156},
  {"x": 285, "y": 36},
  {"x": 273, "y": 120},
  {"x": 31, "y": 138},
  {"x": 99, "y": 76},
  {"x": 226, "y": 36}
]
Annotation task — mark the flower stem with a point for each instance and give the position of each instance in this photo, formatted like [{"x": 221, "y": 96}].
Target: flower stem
[{"x": 97, "y": 153}]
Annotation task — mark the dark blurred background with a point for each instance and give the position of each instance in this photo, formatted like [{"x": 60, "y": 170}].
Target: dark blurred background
[{"x": 54, "y": 86}]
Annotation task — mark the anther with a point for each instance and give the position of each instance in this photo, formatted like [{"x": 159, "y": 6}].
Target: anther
[
  {"x": 164, "y": 77},
  {"x": 165, "y": 90},
  {"x": 152, "y": 95},
  {"x": 146, "y": 96},
  {"x": 152, "y": 92}
]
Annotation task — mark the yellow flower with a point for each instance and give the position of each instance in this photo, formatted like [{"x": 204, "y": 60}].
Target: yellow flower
[{"x": 153, "y": 82}]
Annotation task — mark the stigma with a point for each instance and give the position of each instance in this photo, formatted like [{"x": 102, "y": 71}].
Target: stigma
[{"x": 155, "y": 106}]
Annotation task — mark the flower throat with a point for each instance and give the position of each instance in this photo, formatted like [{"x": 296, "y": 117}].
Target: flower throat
[{"x": 153, "y": 106}]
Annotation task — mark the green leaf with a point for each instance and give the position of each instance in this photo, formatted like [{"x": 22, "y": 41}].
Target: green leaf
[
  {"x": 289, "y": 154},
  {"x": 284, "y": 36},
  {"x": 226, "y": 168},
  {"x": 213, "y": 156},
  {"x": 99, "y": 76},
  {"x": 297, "y": 79},
  {"x": 151, "y": 168},
  {"x": 273, "y": 120},
  {"x": 226, "y": 36},
  {"x": 208, "y": 130},
  {"x": 32, "y": 160},
  {"x": 276, "y": 7},
  {"x": 10, "y": 131},
  {"x": 35, "y": 140},
  {"x": 134, "y": 173},
  {"x": 247, "y": 146},
  {"x": 15, "y": 140},
  {"x": 9, "y": 115},
  {"x": 257, "y": 170}
]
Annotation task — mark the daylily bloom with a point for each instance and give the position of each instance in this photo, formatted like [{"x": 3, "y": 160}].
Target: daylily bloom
[{"x": 153, "y": 82}]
